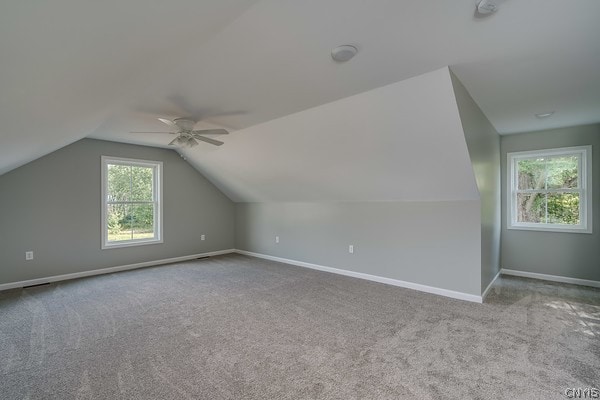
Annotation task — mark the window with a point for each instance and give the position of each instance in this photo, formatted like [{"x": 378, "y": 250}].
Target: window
[
  {"x": 131, "y": 202},
  {"x": 550, "y": 190}
]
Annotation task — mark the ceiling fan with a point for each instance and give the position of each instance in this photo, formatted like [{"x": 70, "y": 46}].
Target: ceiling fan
[{"x": 187, "y": 136}]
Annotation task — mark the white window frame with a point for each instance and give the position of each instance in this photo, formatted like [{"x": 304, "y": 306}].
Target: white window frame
[
  {"x": 584, "y": 154},
  {"x": 157, "y": 185}
]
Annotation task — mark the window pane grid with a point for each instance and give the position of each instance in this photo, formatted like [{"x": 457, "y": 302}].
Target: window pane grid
[{"x": 548, "y": 208}]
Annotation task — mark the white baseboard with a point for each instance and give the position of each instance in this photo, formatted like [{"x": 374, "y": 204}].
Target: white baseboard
[
  {"x": 109, "y": 270},
  {"x": 389, "y": 281},
  {"x": 553, "y": 278},
  {"x": 487, "y": 289}
]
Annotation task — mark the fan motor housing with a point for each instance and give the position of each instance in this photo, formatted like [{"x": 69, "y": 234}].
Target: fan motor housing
[{"x": 185, "y": 123}]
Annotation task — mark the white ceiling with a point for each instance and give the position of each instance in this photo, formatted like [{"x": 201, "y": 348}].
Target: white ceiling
[{"x": 71, "y": 68}]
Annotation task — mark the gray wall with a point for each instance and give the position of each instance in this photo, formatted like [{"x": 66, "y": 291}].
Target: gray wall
[
  {"x": 483, "y": 143},
  {"x": 430, "y": 243},
  {"x": 575, "y": 255},
  {"x": 52, "y": 206}
]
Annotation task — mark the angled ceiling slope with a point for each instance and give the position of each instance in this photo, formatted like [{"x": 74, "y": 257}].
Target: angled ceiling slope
[
  {"x": 68, "y": 65},
  {"x": 401, "y": 142}
]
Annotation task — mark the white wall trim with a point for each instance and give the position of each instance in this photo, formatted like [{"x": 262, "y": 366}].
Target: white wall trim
[
  {"x": 552, "y": 278},
  {"x": 487, "y": 289},
  {"x": 389, "y": 281},
  {"x": 109, "y": 270}
]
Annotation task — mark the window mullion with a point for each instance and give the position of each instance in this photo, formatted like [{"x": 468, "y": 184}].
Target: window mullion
[{"x": 130, "y": 202}]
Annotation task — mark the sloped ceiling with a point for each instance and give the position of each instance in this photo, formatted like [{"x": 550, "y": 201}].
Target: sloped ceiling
[
  {"x": 71, "y": 69},
  {"x": 401, "y": 142},
  {"x": 67, "y": 66}
]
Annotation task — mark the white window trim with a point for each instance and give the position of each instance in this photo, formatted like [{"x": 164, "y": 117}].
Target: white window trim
[
  {"x": 158, "y": 214},
  {"x": 585, "y": 189}
]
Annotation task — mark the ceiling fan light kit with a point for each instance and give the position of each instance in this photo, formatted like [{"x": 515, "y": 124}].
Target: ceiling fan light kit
[
  {"x": 187, "y": 136},
  {"x": 183, "y": 141}
]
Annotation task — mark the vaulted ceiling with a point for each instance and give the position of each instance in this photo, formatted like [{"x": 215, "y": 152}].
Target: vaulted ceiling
[{"x": 71, "y": 69}]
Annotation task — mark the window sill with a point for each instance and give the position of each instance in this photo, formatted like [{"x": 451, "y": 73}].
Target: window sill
[
  {"x": 117, "y": 245},
  {"x": 549, "y": 229}
]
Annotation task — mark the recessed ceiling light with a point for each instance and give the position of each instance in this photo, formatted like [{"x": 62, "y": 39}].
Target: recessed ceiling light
[
  {"x": 544, "y": 115},
  {"x": 343, "y": 53}
]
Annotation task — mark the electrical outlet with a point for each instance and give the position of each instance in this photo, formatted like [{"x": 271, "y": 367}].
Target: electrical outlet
[
  {"x": 29, "y": 255},
  {"x": 202, "y": 237},
  {"x": 351, "y": 249},
  {"x": 276, "y": 239}
]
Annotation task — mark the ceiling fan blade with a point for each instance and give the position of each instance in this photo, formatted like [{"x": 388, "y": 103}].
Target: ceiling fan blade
[
  {"x": 172, "y": 133},
  {"x": 167, "y": 121},
  {"x": 174, "y": 141},
  {"x": 208, "y": 140},
  {"x": 211, "y": 132}
]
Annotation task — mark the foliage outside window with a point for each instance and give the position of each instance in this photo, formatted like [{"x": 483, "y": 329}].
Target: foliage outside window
[
  {"x": 131, "y": 196},
  {"x": 551, "y": 190}
]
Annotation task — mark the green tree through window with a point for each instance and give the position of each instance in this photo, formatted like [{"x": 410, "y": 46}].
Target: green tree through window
[{"x": 537, "y": 204}]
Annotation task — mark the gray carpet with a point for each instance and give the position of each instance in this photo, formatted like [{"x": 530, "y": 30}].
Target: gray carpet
[{"x": 235, "y": 327}]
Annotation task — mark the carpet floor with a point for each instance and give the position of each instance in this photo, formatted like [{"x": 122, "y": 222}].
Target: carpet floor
[{"x": 236, "y": 327}]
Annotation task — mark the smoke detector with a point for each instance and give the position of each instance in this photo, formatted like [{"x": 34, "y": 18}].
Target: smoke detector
[
  {"x": 544, "y": 115},
  {"x": 343, "y": 53},
  {"x": 487, "y": 7}
]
